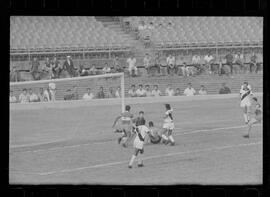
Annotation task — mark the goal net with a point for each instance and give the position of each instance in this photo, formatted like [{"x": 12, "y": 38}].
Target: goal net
[{"x": 33, "y": 123}]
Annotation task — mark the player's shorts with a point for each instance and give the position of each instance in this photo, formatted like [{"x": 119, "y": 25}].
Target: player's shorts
[
  {"x": 138, "y": 144},
  {"x": 126, "y": 128},
  {"x": 245, "y": 102},
  {"x": 168, "y": 125}
]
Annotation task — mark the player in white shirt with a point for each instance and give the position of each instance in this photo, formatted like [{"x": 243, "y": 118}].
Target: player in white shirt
[
  {"x": 168, "y": 126},
  {"x": 189, "y": 91},
  {"x": 141, "y": 92},
  {"x": 118, "y": 92},
  {"x": 256, "y": 115},
  {"x": 141, "y": 132},
  {"x": 89, "y": 95},
  {"x": 245, "y": 103}
]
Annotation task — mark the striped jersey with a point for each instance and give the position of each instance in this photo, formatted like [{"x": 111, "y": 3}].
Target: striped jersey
[
  {"x": 126, "y": 117},
  {"x": 168, "y": 116}
]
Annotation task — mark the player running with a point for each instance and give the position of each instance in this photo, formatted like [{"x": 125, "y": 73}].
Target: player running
[
  {"x": 141, "y": 132},
  {"x": 245, "y": 103},
  {"x": 168, "y": 126},
  {"x": 125, "y": 126},
  {"x": 257, "y": 116}
]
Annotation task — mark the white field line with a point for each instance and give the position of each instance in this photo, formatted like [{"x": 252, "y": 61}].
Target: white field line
[
  {"x": 102, "y": 142},
  {"x": 149, "y": 157},
  {"x": 98, "y": 132}
]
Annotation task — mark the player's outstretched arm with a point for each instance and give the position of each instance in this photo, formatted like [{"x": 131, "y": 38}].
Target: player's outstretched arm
[{"x": 117, "y": 118}]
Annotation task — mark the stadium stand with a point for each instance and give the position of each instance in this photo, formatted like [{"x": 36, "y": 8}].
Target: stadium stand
[
  {"x": 212, "y": 84},
  {"x": 202, "y": 30},
  {"x": 51, "y": 32}
]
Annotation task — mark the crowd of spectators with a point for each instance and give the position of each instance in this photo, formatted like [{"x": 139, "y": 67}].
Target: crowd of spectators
[
  {"x": 156, "y": 64},
  {"x": 48, "y": 95},
  {"x": 169, "y": 91},
  {"x": 29, "y": 96}
]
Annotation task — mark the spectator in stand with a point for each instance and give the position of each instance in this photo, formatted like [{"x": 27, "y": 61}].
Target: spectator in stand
[
  {"x": 169, "y": 91},
  {"x": 156, "y": 63},
  {"x": 49, "y": 93},
  {"x": 116, "y": 65},
  {"x": 41, "y": 95},
  {"x": 177, "y": 92},
  {"x": 229, "y": 61},
  {"x": 253, "y": 63},
  {"x": 56, "y": 68},
  {"x": 111, "y": 94},
  {"x": 148, "y": 92},
  {"x": 132, "y": 91},
  {"x": 88, "y": 95},
  {"x": 101, "y": 94},
  {"x": 142, "y": 29},
  {"x": 93, "y": 70},
  {"x": 224, "y": 89},
  {"x": 69, "y": 67},
  {"x": 142, "y": 26},
  {"x": 156, "y": 92},
  {"x": 209, "y": 59},
  {"x": 106, "y": 69},
  {"x": 202, "y": 91},
  {"x": 146, "y": 63},
  {"x": 163, "y": 64},
  {"x": 171, "y": 64},
  {"x": 239, "y": 61},
  {"x": 32, "y": 96},
  {"x": 23, "y": 97},
  {"x": 185, "y": 69},
  {"x": 141, "y": 92},
  {"x": 189, "y": 91},
  {"x": 48, "y": 68},
  {"x": 132, "y": 65},
  {"x": 196, "y": 62},
  {"x": 35, "y": 70},
  {"x": 118, "y": 92},
  {"x": 12, "y": 97},
  {"x": 82, "y": 71},
  {"x": 151, "y": 25},
  {"x": 14, "y": 75},
  {"x": 72, "y": 94}
]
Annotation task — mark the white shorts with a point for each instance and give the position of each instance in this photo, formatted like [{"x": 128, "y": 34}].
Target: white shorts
[
  {"x": 245, "y": 102},
  {"x": 168, "y": 125},
  {"x": 138, "y": 144}
]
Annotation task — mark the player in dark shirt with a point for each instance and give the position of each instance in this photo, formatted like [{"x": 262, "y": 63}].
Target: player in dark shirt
[
  {"x": 140, "y": 120},
  {"x": 125, "y": 126}
]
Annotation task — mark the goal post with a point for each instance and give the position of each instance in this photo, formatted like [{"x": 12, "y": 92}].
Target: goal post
[{"x": 113, "y": 80}]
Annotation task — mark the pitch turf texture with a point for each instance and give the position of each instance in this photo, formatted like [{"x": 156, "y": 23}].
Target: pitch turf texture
[{"x": 75, "y": 144}]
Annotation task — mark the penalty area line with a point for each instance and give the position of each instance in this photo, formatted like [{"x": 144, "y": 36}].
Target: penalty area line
[{"x": 148, "y": 158}]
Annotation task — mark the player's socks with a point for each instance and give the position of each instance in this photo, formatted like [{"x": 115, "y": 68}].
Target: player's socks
[
  {"x": 171, "y": 140},
  {"x": 119, "y": 140},
  {"x": 131, "y": 160},
  {"x": 246, "y": 117},
  {"x": 164, "y": 138}
]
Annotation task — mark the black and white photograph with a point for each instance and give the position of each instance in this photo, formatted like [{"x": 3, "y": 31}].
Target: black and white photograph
[{"x": 136, "y": 100}]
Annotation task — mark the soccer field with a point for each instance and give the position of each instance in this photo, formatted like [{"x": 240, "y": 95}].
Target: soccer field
[{"x": 76, "y": 145}]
